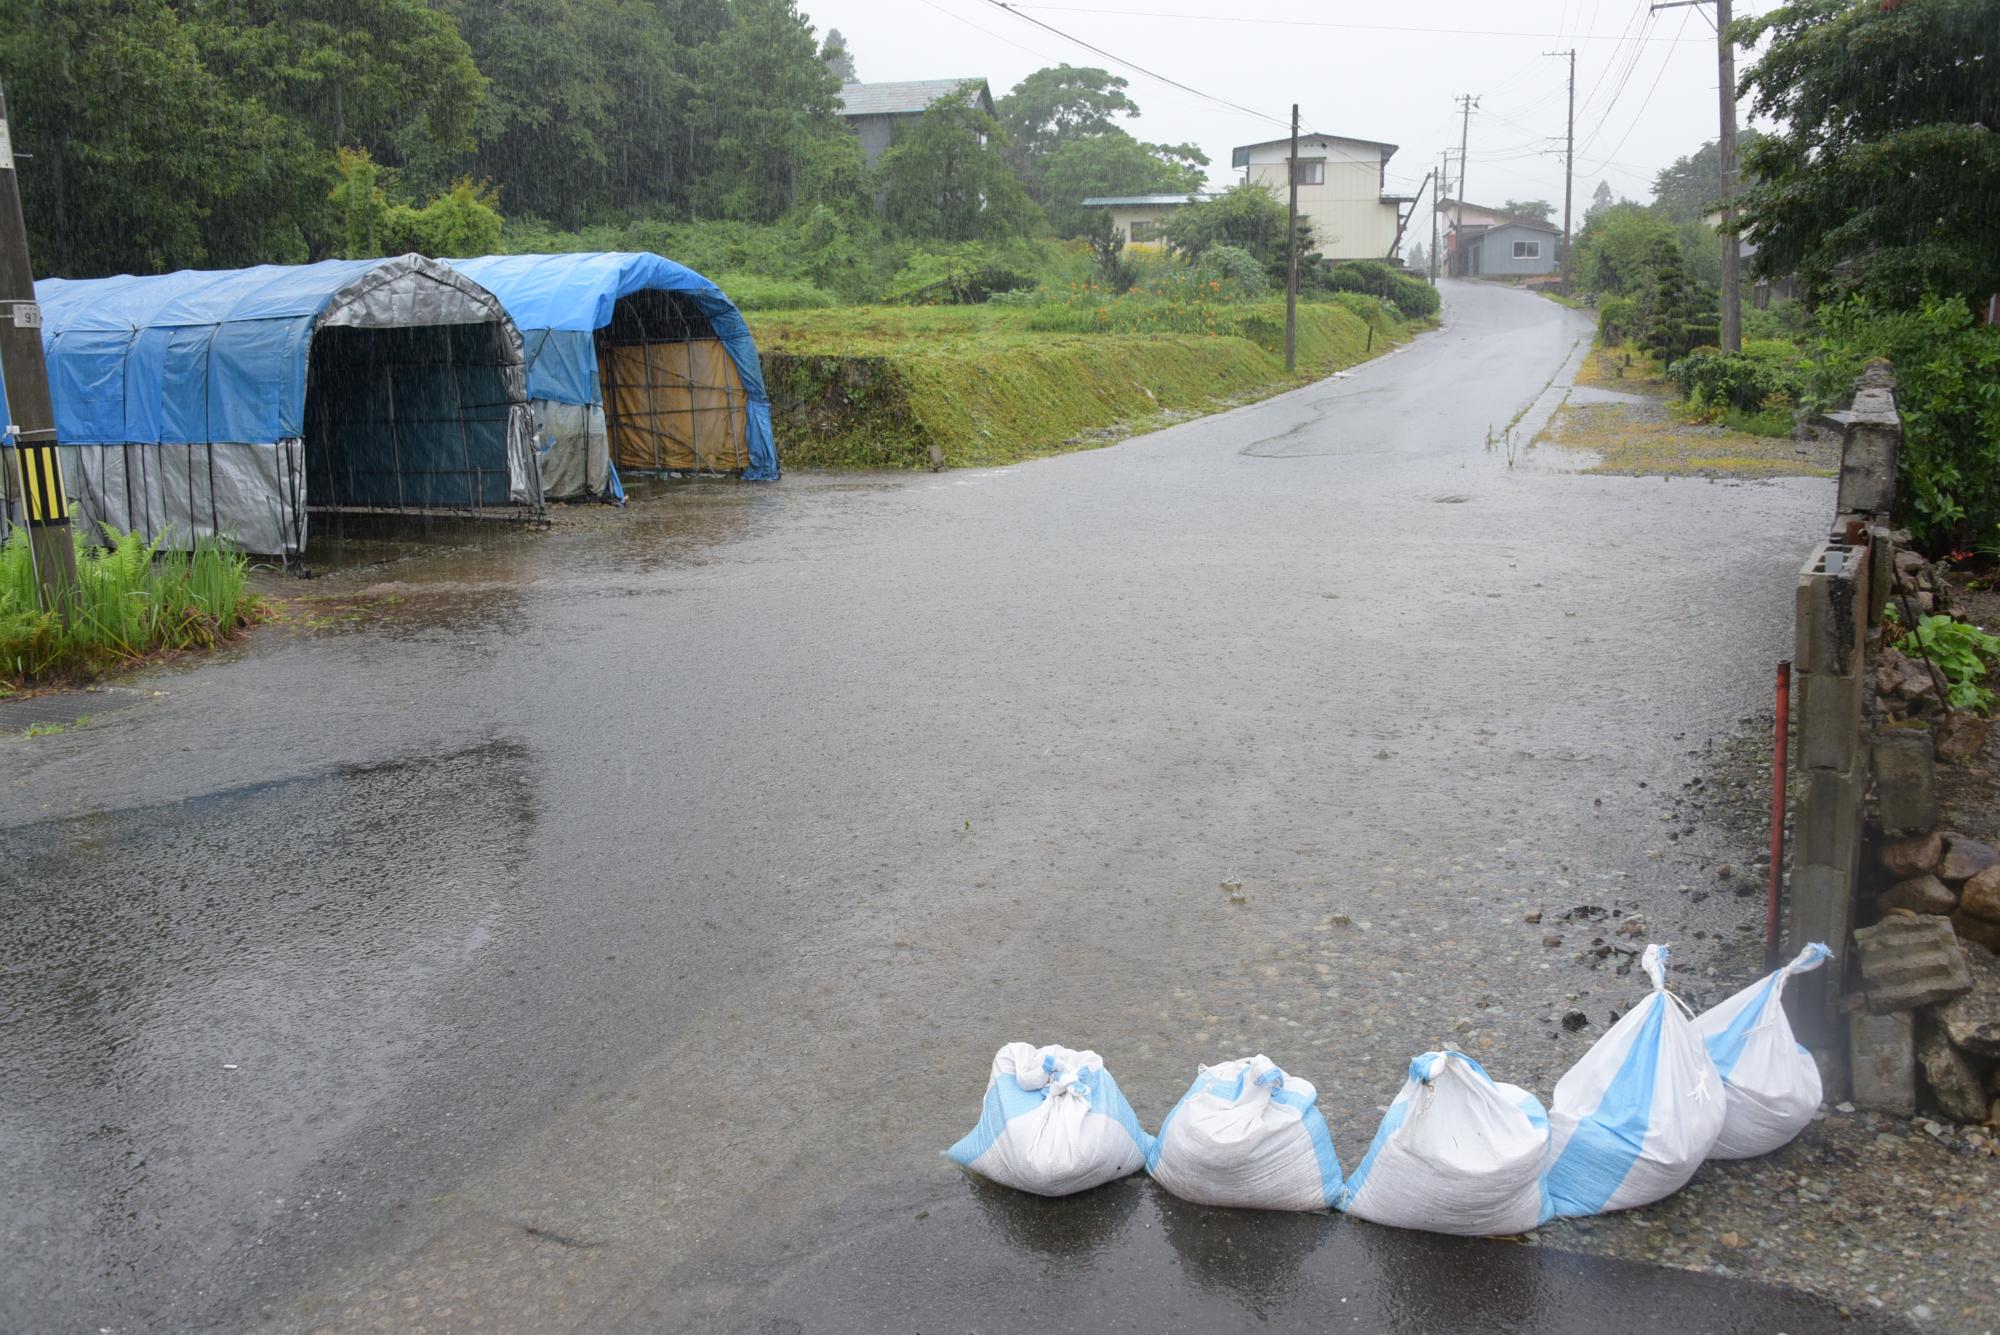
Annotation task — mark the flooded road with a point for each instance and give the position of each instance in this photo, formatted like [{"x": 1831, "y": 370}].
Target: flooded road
[{"x": 607, "y": 929}]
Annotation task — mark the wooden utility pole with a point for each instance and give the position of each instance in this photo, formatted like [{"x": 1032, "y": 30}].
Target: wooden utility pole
[
  {"x": 1437, "y": 207},
  {"x": 1569, "y": 161},
  {"x": 1468, "y": 102},
  {"x": 34, "y": 467},
  {"x": 1292, "y": 252},
  {"x": 1725, "y": 152}
]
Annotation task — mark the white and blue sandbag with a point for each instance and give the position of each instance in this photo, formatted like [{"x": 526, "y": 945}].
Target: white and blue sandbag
[
  {"x": 1634, "y": 1118},
  {"x": 1250, "y": 1136},
  {"x": 1771, "y": 1085},
  {"x": 1456, "y": 1153},
  {"x": 1054, "y": 1122}
]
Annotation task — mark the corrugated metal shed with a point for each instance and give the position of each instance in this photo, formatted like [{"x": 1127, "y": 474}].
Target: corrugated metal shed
[{"x": 909, "y": 97}]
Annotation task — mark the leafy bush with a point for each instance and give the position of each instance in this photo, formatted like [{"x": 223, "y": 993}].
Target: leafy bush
[
  {"x": 1964, "y": 653},
  {"x": 1948, "y": 391},
  {"x": 1234, "y": 267},
  {"x": 131, "y": 600},
  {"x": 1753, "y": 380},
  {"x": 1374, "y": 312},
  {"x": 1617, "y": 320},
  {"x": 1415, "y": 299}
]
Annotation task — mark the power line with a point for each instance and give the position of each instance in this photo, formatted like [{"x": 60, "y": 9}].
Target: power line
[
  {"x": 1015, "y": 10},
  {"x": 1641, "y": 113}
]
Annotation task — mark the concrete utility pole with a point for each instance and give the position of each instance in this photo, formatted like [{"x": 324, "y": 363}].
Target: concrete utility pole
[
  {"x": 1468, "y": 102},
  {"x": 1437, "y": 207},
  {"x": 34, "y": 468},
  {"x": 1292, "y": 252},
  {"x": 1725, "y": 152},
  {"x": 1569, "y": 160}
]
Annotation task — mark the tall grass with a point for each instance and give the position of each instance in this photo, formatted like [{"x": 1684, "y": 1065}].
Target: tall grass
[{"x": 131, "y": 600}]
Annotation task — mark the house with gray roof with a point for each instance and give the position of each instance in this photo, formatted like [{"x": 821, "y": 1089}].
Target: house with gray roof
[
  {"x": 1143, "y": 218},
  {"x": 878, "y": 110}
]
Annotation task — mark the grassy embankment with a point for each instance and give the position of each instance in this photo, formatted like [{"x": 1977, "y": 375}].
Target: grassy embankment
[{"x": 879, "y": 386}]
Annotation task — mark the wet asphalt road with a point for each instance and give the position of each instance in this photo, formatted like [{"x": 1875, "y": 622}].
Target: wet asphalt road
[{"x": 608, "y": 930}]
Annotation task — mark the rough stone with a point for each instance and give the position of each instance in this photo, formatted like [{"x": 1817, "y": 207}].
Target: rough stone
[
  {"x": 1882, "y": 1052},
  {"x": 1905, "y": 780},
  {"x": 1960, "y": 737},
  {"x": 1909, "y": 961},
  {"x": 1976, "y": 930},
  {"x": 1919, "y": 894},
  {"x": 1972, "y": 1022},
  {"x": 1915, "y": 856},
  {"x": 1980, "y": 895},
  {"x": 1965, "y": 858},
  {"x": 1908, "y": 564},
  {"x": 1953, "y": 1081}
]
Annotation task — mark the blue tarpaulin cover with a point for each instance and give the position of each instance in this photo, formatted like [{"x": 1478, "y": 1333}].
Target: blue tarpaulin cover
[{"x": 560, "y": 301}]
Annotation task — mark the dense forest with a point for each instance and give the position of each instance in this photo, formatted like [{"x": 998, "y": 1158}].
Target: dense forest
[{"x": 161, "y": 134}]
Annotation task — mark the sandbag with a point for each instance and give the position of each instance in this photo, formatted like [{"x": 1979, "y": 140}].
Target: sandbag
[
  {"x": 1635, "y": 1117},
  {"x": 1054, "y": 1122},
  {"x": 1770, "y": 1085},
  {"x": 1247, "y": 1135},
  {"x": 1456, "y": 1153}
]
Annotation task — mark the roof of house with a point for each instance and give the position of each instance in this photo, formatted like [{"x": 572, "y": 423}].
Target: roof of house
[
  {"x": 1239, "y": 156},
  {"x": 1501, "y": 217},
  {"x": 1108, "y": 201},
  {"x": 907, "y": 98}
]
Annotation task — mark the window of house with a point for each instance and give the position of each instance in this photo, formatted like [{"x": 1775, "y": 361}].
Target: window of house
[
  {"x": 1143, "y": 229},
  {"x": 1527, "y": 250},
  {"x": 1309, "y": 171}
]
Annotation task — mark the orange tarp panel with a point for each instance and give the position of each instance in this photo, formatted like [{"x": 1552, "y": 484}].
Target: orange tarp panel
[{"x": 674, "y": 406}]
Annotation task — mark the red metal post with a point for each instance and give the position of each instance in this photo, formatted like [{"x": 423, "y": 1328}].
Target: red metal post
[{"x": 1780, "y": 746}]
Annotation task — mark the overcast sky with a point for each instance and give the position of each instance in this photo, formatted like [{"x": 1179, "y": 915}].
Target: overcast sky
[{"x": 1645, "y": 82}]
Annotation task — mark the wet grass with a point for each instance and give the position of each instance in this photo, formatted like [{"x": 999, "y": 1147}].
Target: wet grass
[
  {"x": 884, "y": 387},
  {"x": 132, "y": 603},
  {"x": 1625, "y": 368},
  {"x": 1648, "y": 440}
]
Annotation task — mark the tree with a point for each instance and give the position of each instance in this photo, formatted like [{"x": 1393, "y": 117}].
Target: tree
[
  {"x": 1418, "y": 259},
  {"x": 133, "y": 156},
  {"x": 765, "y": 107},
  {"x": 1055, "y": 105},
  {"x": 1883, "y": 172},
  {"x": 1114, "y": 163},
  {"x": 1600, "y": 199},
  {"x": 1246, "y": 216},
  {"x": 1538, "y": 209},
  {"x": 833, "y": 53},
  {"x": 947, "y": 178},
  {"x": 1671, "y": 313}
]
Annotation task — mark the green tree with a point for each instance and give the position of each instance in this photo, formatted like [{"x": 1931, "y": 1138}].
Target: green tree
[
  {"x": 1538, "y": 209},
  {"x": 1691, "y": 189},
  {"x": 1673, "y": 314},
  {"x": 947, "y": 178},
  {"x": 765, "y": 105},
  {"x": 1055, "y": 105},
  {"x": 1114, "y": 163},
  {"x": 133, "y": 156},
  {"x": 836, "y": 56},
  {"x": 1600, "y": 199},
  {"x": 1246, "y": 216},
  {"x": 1884, "y": 170}
]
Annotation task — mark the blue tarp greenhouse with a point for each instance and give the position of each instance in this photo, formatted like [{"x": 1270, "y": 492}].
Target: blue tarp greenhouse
[
  {"x": 229, "y": 402},
  {"x": 635, "y": 363}
]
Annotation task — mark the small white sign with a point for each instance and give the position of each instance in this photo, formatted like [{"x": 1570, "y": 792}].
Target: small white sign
[
  {"x": 6, "y": 147},
  {"x": 27, "y": 315}
]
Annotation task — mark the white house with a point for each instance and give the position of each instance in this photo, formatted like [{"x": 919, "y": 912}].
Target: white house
[
  {"x": 1142, "y": 218},
  {"x": 1343, "y": 191}
]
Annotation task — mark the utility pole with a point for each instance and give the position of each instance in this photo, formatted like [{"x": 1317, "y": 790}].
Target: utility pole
[
  {"x": 1437, "y": 207},
  {"x": 1292, "y": 252},
  {"x": 1569, "y": 161},
  {"x": 1468, "y": 102},
  {"x": 1725, "y": 152},
  {"x": 34, "y": 466}
]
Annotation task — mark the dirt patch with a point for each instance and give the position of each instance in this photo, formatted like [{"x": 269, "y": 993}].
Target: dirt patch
[
  {"x": 1969, "y": 795},
  {"x": 1642, "y": 438}
]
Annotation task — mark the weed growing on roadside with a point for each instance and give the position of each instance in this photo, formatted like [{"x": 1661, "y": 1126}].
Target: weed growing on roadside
[{"x": 1962, "y": 651}]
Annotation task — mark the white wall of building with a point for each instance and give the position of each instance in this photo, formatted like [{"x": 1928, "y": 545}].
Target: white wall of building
[{"x": 1349, "y": 219}]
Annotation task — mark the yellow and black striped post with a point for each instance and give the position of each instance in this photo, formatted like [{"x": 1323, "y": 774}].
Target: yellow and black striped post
[{"x": 34, "y": 472}]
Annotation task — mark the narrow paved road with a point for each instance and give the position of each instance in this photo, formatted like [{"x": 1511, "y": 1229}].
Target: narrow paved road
[{"x": 610, "y": 933}]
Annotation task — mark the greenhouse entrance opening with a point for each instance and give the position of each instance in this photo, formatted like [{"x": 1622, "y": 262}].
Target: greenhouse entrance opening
[{"x": 673, "y": 400}]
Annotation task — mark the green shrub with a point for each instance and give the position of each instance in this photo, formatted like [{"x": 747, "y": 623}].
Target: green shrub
[
  {"x": 1235, "y": 268},
  {"x": 1751, "y": 381},
  {"x": 752, "y": 293},
  {"x": 1617, "y": 319},
  {"x": 1948, "y": 391},
  {"x": 1414, "y": 298},
  {"x": 1374, "y": 312},
  {"x": 1963, "y": 652}
]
